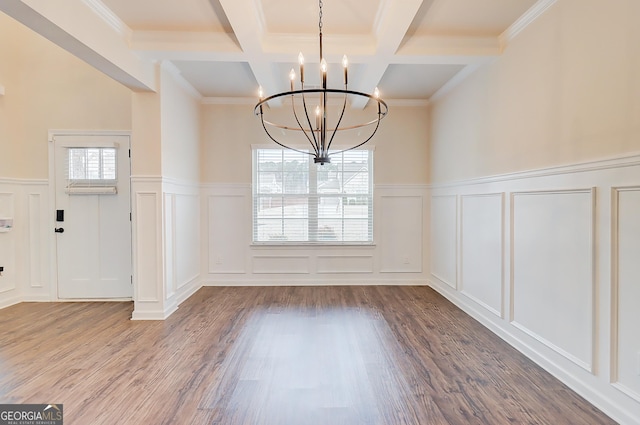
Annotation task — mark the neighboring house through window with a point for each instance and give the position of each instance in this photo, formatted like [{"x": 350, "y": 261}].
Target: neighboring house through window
[{"x": 296, "y": 200}]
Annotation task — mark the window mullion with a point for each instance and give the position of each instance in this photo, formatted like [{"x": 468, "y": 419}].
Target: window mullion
[{"x": 313, "y": 201}]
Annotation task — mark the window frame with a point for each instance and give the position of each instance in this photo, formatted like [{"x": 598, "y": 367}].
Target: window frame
[{"x": 312, "y": 194}]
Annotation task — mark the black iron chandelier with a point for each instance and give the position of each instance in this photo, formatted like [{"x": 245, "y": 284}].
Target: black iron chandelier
[{"x": 329, "y": 107}]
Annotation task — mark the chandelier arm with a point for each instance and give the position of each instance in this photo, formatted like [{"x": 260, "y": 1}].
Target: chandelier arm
[
  {"x": 344, "y": 107},
  {"x": 315, "y": 145},
  {"x": 295, "y": 114},
  {"x": 358, "y": 145},
  {"x": 278, "y": 143}
]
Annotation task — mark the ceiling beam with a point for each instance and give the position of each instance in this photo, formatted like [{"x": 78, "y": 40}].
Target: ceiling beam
[
  {"x": 247, "y": 26},
  {"x": 395, "y": 18},
  {"x": 75, "y": 27}
]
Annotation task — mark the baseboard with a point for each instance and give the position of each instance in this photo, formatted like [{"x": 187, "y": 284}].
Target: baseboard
[
  {"x": 9, "y": 302},
  {"x": 288, "y": 282},
  {"x": 188, "y": 290},
  {"x": 155, "y": 315}
]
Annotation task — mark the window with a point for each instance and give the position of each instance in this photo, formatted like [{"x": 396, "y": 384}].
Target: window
[
  {"x": 296, "y": 200},
  {"x": 91, "y": 170}
]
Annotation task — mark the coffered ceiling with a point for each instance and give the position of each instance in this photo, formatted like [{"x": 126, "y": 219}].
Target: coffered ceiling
[{"x": 226, "y": 49}]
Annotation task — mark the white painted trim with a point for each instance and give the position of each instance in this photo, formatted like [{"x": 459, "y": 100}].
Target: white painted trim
[
  {"x": 180, "y": 80},
  {"x": 24, "y": 182},
  {"x": 499, "y": 313},
  {"x": 62, "y": 132},
  {"x": 110, "y": 18},
  {"x": 314, "y": 282},
  {"x": 590, "y": 367},
  {"x": 615, "y": 292},
  {"x": 10, "y": 301},
  {"x": 629, "y": 160},
  {"x": 524, "y": 21},
  {"x": 229, "y": 100}
]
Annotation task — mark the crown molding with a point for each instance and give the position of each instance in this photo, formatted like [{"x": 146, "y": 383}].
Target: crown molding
[
  {"x": 524, "y": 21},
  {"x": 229, "y": 100},
  {"x": 110, "y": 18}
]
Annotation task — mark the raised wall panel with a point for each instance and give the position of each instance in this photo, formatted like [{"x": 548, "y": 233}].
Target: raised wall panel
[
  {"x": 344, "y": 264},
  {"x": 36, "y": 269},
  {"x": 280, "y": 264},
  {"x": 187, "y": 238},
  {"x": 552, "y": 270},
  {"x": 444, "y": 239},
  {"x": 148, "y": 243},
  {"x": 228, "y": 237},
  {"x": 169, "y": 227},
  {"x": 626, "y": 266},
  {"x": 8, "y": 244},
  {"x": 401, "y": 234},
  {"x": 481, "y": 250}
]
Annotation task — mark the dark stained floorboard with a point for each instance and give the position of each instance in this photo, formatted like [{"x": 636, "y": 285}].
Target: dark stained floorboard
[{"x": 372, "y": 355}]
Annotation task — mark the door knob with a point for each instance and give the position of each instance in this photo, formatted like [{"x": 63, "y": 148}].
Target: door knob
[{"x": 59, "y": 230}]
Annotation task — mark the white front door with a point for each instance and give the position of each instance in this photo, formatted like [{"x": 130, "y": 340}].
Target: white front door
[{"x": 92, "y": 213}]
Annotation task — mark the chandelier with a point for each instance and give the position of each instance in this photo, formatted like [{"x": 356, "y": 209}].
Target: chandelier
[{"x": 320, "y": 127}]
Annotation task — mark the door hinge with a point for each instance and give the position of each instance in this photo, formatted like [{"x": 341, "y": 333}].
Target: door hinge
[
  {"x": 129, "y": 153},
  {"x": 130, "y": 219},
  {"x": 131, "y": 279}
]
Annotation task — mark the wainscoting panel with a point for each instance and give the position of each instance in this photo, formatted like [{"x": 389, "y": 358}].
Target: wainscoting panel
[
  {"x": 444, "y": 235},
  {"x": 9, "y": 242},
  {"x": 187, "y": 238},
  {"x": 552, "y": 270},
  {"x": 626, "y": 290},
  {"x": 396, "y": 257},
  {"x": 481, "y": 245},
  {"x": 228, "y": 238},
  {"x": 280, "y": 264},
  {"x": 401, "y": 236},
  {"x": 169, "y": 227},
  {"x": 344, "y": 264},
  {"x": 147, "y": 244},
  {"x": 37, "y": 263}
]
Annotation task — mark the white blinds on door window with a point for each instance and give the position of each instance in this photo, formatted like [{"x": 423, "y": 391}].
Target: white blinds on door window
[
  {"x": 91, "y": 170},
  {"x": 296, "y": 200}
]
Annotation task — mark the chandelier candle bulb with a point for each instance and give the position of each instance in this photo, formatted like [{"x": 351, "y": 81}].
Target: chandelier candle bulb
[
  {"x": 323, "y": 69},
  {"x": 329, "y": 112},
  {"x": 292, "y": 77},
  {"x": 301, "y": 62},
  {"x": 317, "y": 117},
  {"x": 345, "y": 65}
]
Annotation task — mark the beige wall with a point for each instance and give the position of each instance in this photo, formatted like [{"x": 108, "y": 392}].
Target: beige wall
[
  {"x": 565, "y": 90},
  {"x": 180, "y": 123},
  {"x": 48, "y": 88},
  {"x": 230, "y": 130}
]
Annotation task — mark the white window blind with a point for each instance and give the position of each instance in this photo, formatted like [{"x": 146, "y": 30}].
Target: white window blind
[
  {"x": 91, "y": 170},
  {"x": 296, "y": 200}
]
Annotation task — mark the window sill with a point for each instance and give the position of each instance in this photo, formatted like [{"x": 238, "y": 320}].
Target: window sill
[{"x": 285, "y": 245}]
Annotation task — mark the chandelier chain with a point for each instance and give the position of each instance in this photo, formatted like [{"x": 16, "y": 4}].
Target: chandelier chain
[{"x": 320, "y": 16}]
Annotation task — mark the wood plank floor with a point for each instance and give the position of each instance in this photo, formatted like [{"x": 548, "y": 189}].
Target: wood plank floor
[{"x": 278, "y": 356}]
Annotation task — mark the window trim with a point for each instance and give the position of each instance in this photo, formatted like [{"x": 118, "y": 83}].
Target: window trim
[{"x": 312, "y": 243}]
